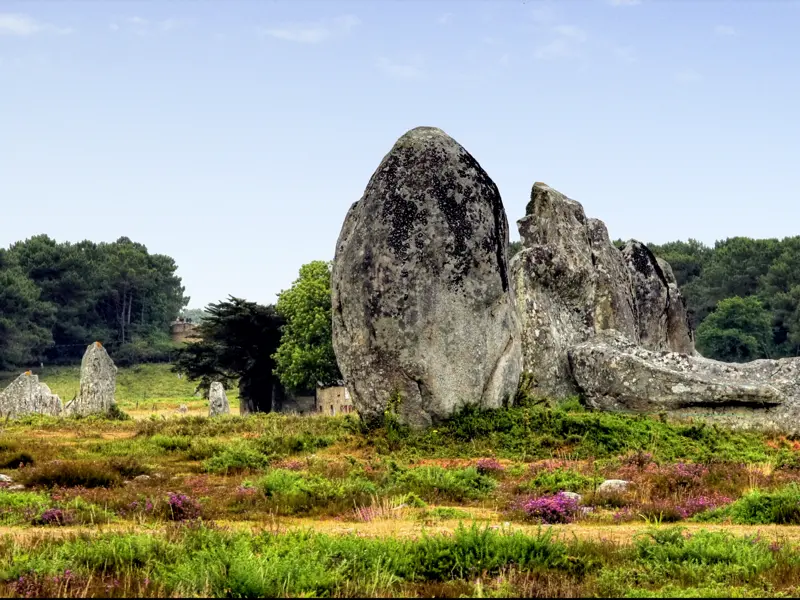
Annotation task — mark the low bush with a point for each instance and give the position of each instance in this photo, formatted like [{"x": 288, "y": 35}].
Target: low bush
[
  {"x": 293, "y": 491},
  {"x": 759, "y": 507},
  {"x": 72, "y": 473},
  {"x": 558, "y": 508},
  {"x": 433, "y": 482},
  {"x": 560, "y": 480},
  {"x": 235, "y": 458}
]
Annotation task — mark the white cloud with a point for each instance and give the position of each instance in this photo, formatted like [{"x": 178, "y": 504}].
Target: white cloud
[
  {"x": 313, "y": 33},
  {"x": 144, "y": 27},
  {"x": 726, "y": 30},
  {"x": 688, "y": 76},
  {"x": 23, "y": 25},
  {"x": 624, "y": 2},
  {"x": 405, "y": 70},
  {"x": 504, "y": 60},
  {"x": 445, "y": 18},
  {"x": 565, "y": 44}
]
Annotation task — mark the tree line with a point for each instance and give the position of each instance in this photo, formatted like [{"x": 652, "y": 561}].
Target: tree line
[
  {"x": 58, "y": 297},
  {"x": 742, "y": 294}
]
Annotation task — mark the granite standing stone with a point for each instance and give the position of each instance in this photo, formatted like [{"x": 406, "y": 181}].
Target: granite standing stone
[{"x": 422, "y": 307}]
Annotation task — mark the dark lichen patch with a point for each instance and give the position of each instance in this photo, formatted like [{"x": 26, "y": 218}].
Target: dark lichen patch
[{"x": 645, "y": 262}]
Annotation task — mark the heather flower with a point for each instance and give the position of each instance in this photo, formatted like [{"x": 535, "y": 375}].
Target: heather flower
[
  {"x": 487, "y": 466},
  {"x": 558, "y": 508},
  {"x": 183, "y": 508},
  {"x": 54, "y": 516}
]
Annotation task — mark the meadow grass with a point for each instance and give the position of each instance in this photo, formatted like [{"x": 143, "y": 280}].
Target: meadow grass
[{"x": 179, "y": 489}]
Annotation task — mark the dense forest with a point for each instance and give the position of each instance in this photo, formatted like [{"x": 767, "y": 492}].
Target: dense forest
[{"x": 55, "y": 298}]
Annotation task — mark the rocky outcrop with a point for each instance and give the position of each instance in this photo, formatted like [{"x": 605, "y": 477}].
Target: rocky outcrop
[
  {"x": 422, "y": 310},
  {"x": 98, "y": 383},
  {"x": 570, "y": 282},
  {"x": 217, "y": 400},
  {"x": 27, "y": 395},
  {"x": 613, "y": 373}
]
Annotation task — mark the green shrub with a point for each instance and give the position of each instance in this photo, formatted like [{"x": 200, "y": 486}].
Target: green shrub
[
  {"x": 443, "y": 513},
  {"x": 453, "y": 484},
  {"x": 293, "y": 491},
  {"x": 758, "y": 507},
  {"x": 561, "y": 480},
  {"x": 17, "y": 507},
  {"x": 236, "y": 457},
  {"x": 171, "y": 443}
]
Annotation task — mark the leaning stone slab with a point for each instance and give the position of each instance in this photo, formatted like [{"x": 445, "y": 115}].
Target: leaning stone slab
[
  {"x": 617, "y": 375},
  {"x": 217, "y": 400},
  {"x": 570, "y": 282},
  {"x": 98, "y": 383},
  {"x": 26, "y": 395}
]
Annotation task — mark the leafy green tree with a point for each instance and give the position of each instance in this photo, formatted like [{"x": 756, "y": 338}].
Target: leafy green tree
[
  {"x": 514, "y": 248},
  {"x": 238, "y": 341},
  {"x": 780, "y": 292},
  {"x": 25, "y": 320},
  {"x": 687, "y": 259},
  {"x": 117, "y": 293},
  {"x": 739, "y": 330},
  {"x": 305, "y": 357}
]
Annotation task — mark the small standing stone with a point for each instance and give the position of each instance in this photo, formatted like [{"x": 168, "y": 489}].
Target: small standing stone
[
  {"x": 98, "y": 382},
  {"x": 217, "y": 400}
]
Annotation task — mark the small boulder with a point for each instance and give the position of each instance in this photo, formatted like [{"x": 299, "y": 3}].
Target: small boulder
[
  {"x": 217, "y": 400},
  {"x": 5, "y": 479},
  {"x": 613, "y": 486},
  {"x": 572, "y": 496},
  {"x": 17, "y": 487}
]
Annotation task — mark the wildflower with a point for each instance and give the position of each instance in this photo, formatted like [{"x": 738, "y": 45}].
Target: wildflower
[
  {"x": 489, "y": 465},
  {"x": 559, "y": 508}
]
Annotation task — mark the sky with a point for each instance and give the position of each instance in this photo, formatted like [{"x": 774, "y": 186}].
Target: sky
[{"x": 233, "y": 136}]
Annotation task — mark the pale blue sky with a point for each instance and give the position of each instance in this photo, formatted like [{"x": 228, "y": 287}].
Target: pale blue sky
[{"x": 234, "y": 136}]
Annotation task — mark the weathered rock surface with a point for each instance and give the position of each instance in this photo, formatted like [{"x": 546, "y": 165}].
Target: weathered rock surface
[
  {"x": 613, "y": 486},
  {"x": 98, "y": 383},
  {"x": 217, "y": 400},
  {"x": 570, "y": 282},
  {"x": 616, "y": 374},
  {"x": 27, "y": 395},
  {"x": 420, "y": 287}
]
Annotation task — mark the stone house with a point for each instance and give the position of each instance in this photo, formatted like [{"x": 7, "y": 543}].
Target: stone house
[{"x": 334, "y": 400}]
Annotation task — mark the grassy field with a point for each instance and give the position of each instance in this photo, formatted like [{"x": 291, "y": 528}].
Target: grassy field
[{"x": 284, "y": 505}]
